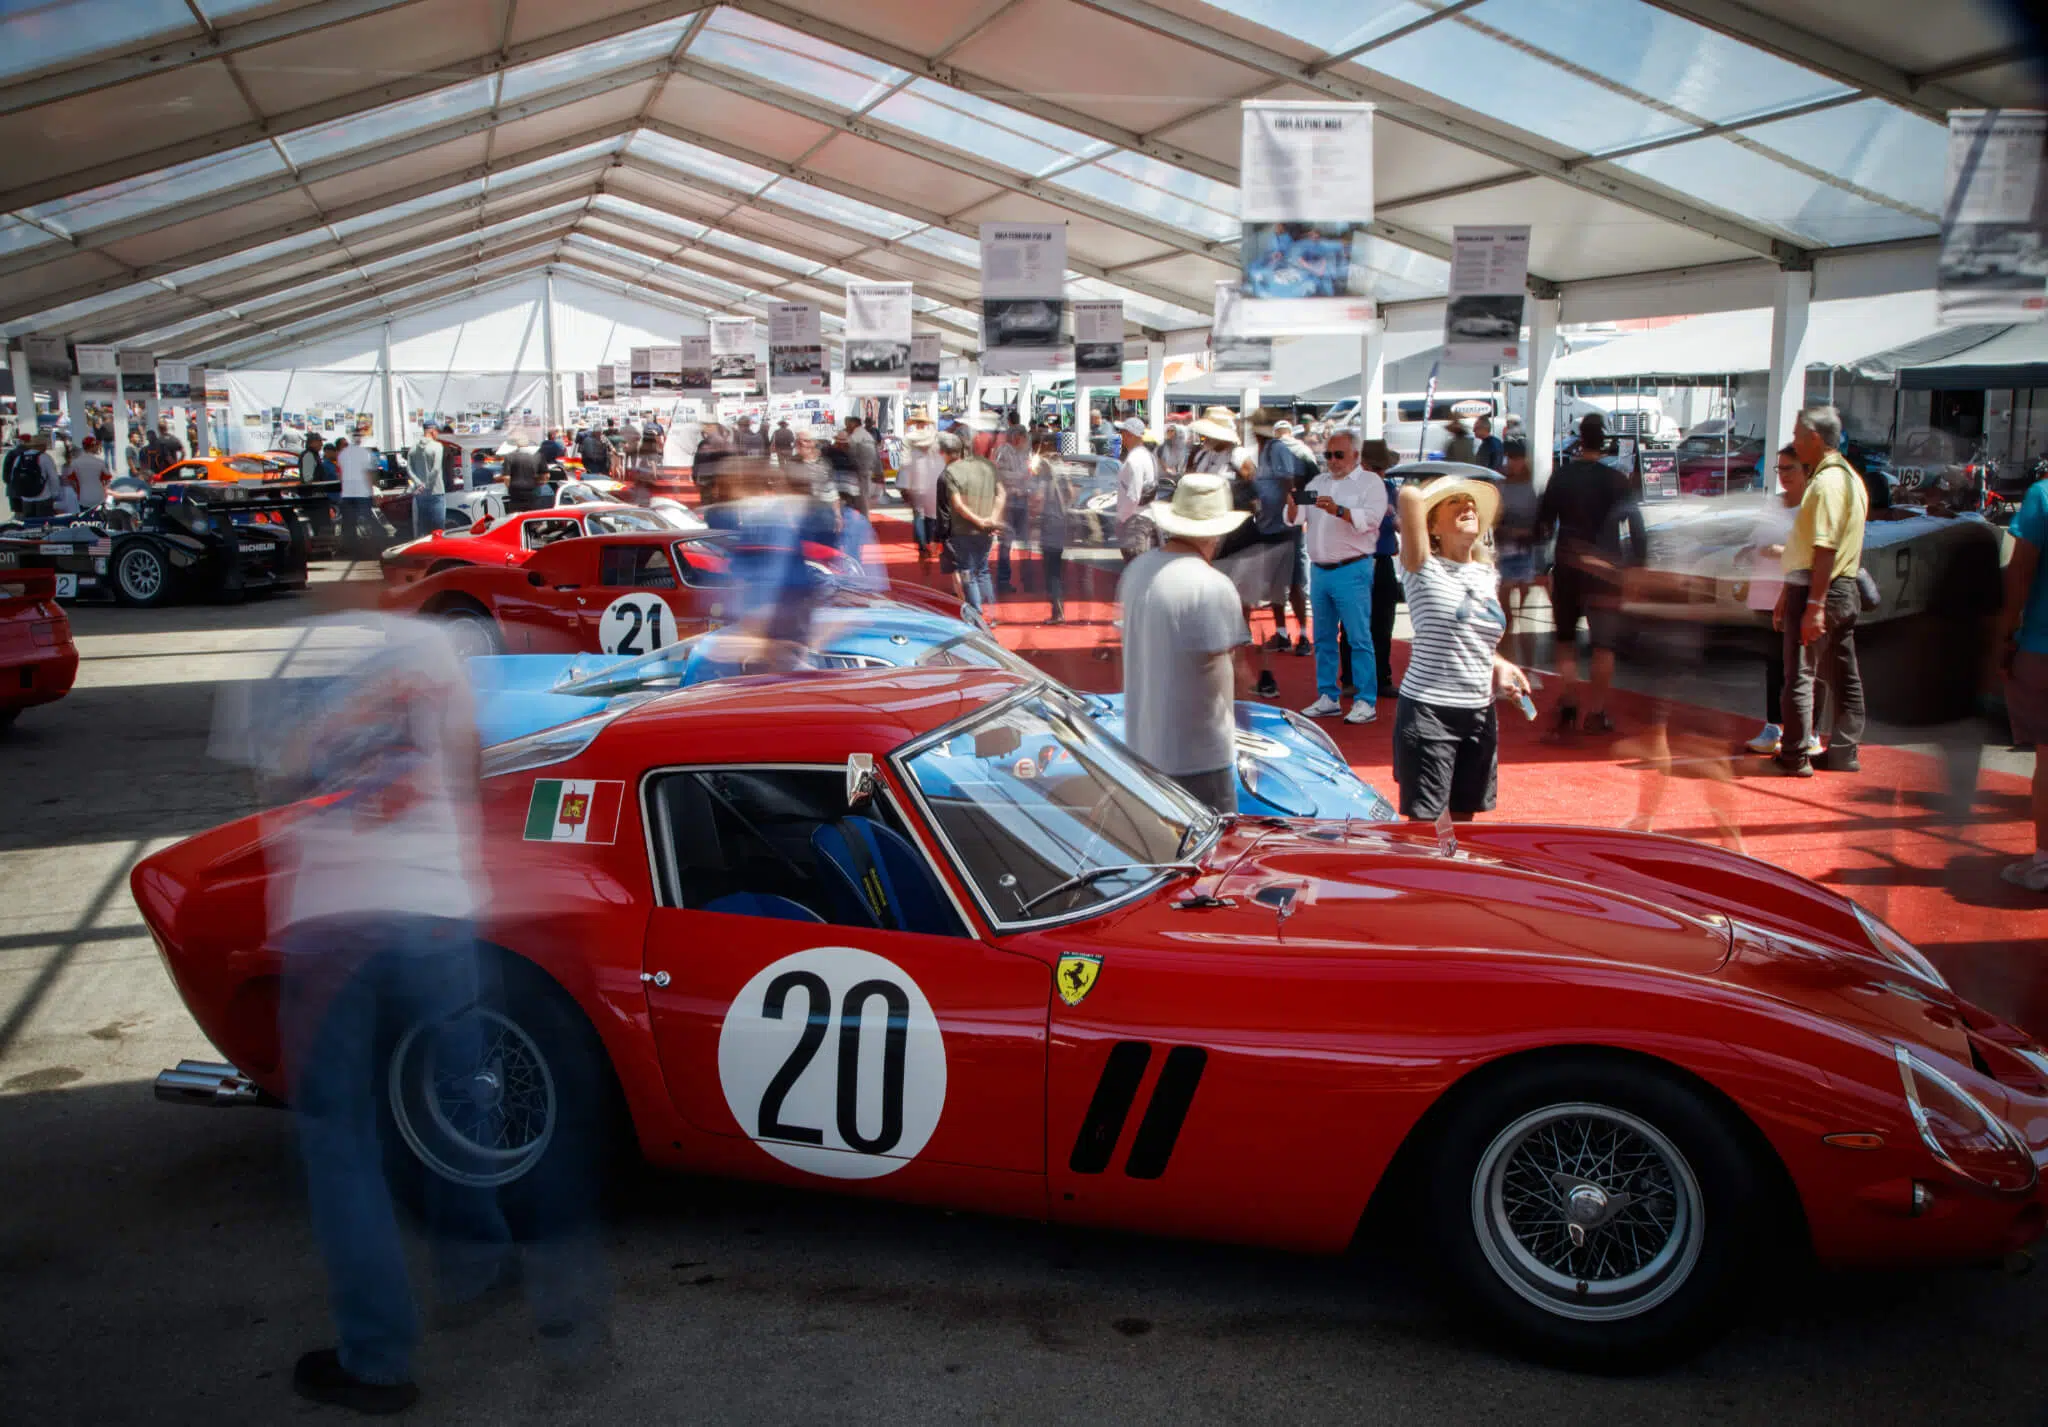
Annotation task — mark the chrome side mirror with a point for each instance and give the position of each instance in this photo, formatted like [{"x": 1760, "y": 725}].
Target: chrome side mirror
[{"x": 860, "y": 779}]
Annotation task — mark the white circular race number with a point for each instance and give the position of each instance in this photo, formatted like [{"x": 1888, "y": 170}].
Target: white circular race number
[
  {"x": 638, "y": 623},
  {"x": 832, "y": 1062}
]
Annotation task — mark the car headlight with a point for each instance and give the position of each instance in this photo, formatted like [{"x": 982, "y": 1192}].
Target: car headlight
[
  {"x": 1965, "y": 1138},
  {"x": 1309, "y": 730},
  {"x": 1269, "y": 785},
  {"x": 1897, "y": 950},
  {"x": 552, "y": 745}
]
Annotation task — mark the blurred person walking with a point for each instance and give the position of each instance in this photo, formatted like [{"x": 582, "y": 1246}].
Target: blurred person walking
[
  {"x": 595, "y": 452},
  {"x": 1766, "y": 586},
  {"x": 1490, "y": 450},
  {"x": 2023, "y": 656},
  {"x": 430, "y": 497},
  {"x": 865, "y": 464},
  {"x": 87, "y": 474},
  {"x": 1173, "y": 450},
  {"x": 31, "y": 485},
  {"x": 1051, "y": 495},
  {"x": 1013, "y": 469},
  {"x": 746, "y": 440},
  {"x": 1458, "y": 443},
  {"x": 919, "y": 478},
  {"x": 1137, "y": 481},
  {"x": 1184, "y": 637},
  {"x": 1446, "y": 732},
  {"x": 807, "y": 467},
  {"x": 783, "y": 443},
  {"x": 1284, "y": 469},
  {"x": 1377, "y": 457},
  {"x": 1515, "y": 538},
  {"x": 977, "y": 502},
  {"x": 1586, "y": 506},
  {"x": 360, "y": 529},
  {"x": 1817, "y": 610},
  {"x": 551, "y": 448},
  {"x": 1342, "y": 530},
  {"x": 522, "y": 479}
]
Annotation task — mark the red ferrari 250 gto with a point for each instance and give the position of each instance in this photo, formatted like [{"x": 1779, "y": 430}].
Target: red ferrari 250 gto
[{"x": 929, "y": 935}]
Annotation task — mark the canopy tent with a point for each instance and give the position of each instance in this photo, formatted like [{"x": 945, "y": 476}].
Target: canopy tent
[{"x": 2015, "y": 357}]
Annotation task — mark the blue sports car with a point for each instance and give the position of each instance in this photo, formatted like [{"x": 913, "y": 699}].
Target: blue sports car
[{"x": 1285, "y": 764}]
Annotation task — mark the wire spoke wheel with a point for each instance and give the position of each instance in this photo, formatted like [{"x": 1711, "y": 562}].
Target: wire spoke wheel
[
  {"x": 1588, "y": 1212},
  {"x": 473, "y": 1098}
]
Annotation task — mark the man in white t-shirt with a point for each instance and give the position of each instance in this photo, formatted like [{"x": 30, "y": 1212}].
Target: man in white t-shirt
[
  {"x": 87, "y": 474},
  {"x": 357, "y": 462},
  {"x": 1138, "y": 474},
  {"x": 1184, "y": 633}
]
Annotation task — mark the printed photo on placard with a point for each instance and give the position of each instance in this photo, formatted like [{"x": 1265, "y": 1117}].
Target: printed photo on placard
[
  {"x": 796, "y": 348},
  {"x": 924, "y": 362},
  {"x": 1994, "y": 233},
  {"x": 1306, "y": 205},
  {"x": 877, "y": 338},
  {"x": 642, "y": 368},
  {"x": 1023, "y": 297},
  {"x": 1099, "y": 339},
  {"x": 692, "y": 364},
  {"x": 1236, "y": 360},
  {"x": 1488, "y": 320}
]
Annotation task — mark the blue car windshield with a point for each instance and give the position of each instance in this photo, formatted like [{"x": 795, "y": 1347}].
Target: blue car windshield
[
  {"x": 1047, "y": 816},
  {"x": 976, "y": 651}
]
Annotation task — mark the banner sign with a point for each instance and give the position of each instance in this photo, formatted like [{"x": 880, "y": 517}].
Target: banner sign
[
  {"x": 641, "y": 366},
  {"x": 48, "y": 358},
  {"x": 1489, "y": 270},
  {"x": 1023, "y": 297},
  {"x": 214, "y": 382},
  {"x": 877, "y": 338},
  {"x": 732, "y": 355},
  {"x": 796, "y": 348},
  {"x": 1305, "y": 204},
  {"x": 174, "y": 381},
  {"x": 622, "y": 380},
  {"x": 99, "y": 372},
  {"x": 924, "y": 363},
  {"x": 1236, "y": 360},
  {"x": 1099, "y": 340},
  {"x": 693, "y": 365},
  {"x": 1994, "y": 241},
  {"x": 138, "y": 372}
]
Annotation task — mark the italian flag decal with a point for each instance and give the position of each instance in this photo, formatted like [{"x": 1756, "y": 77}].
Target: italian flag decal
[{"x": 572, "y": 810}]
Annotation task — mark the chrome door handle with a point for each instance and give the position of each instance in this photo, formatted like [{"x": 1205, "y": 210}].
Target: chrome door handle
[{"x": 659, "y": 978}]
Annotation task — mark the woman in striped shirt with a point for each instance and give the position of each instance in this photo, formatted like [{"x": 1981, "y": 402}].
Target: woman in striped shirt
[{"x": 1446, "y": 738}]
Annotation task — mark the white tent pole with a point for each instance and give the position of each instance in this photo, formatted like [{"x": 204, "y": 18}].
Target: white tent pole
[
  {"x": 117, "y": 412},
  {"x": 388, "y": 411},
  {"x": 1084, "y": 422},
  {"x": 74, "y": 409},
  {"x": 1155, "y": 388},
  {"x": 1789, "y": 307},
  {"x": 554, "y": 406},
  {"x": 1247, "y": 413},
  {"x": 1542, "y": 397},
  {"x": 1372, "y": 380},
  {"x": 24, "y": 394}
]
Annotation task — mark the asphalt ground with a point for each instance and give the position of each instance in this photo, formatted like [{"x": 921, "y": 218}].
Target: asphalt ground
[{"x": 155, "y": 1264}]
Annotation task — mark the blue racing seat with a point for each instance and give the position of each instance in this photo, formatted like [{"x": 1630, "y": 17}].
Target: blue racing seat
[
  {"x": 877, "y": 879},
  {"x": 756, "y": 904}
]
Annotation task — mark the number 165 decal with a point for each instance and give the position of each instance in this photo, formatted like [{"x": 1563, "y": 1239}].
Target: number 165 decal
[{"x": 831, "y": 1061}]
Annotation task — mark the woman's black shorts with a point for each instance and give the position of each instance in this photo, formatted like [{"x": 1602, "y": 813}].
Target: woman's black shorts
[{"x": 1445, "y": 758}]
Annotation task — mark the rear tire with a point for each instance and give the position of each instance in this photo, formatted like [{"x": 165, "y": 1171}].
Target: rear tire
[
  {"x": 1671, "y": 1207},
  {"x": 143, "y": 576},
  {"x": 470, "y": 627}
]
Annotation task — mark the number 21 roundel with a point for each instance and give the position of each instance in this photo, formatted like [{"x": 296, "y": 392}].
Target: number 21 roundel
[
  {"x": 832, "y": 1061},
  {"x": 639, "y": 623}
]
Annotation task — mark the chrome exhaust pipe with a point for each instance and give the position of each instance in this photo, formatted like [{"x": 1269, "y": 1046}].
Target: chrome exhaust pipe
[{"x": 209, "y": 1084}]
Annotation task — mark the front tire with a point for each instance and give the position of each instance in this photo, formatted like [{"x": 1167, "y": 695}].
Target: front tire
[
  {"x": 143, "y": 577},
  {"x": 1600, "y": 1213},
  {"x": 471, "y": 628}
]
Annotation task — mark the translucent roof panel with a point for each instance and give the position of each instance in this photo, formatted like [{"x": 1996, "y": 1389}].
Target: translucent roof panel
[
  {"x": 1871, "y": 144},
  {"x": 1145, "y": 311},
  {"x": 37, "y": 36},
  {"x": 568, "y": 158},
  {"x": 945, "y": 243},
  {"x": 443, "y": 198},
  {"x": 1650, "y": 51},
  {"x": 17, "y": 236},
  {"x": 1330, "y": 25},
  {"x": 1398, "y": 274},
  {"x": 991, "y": 131},
  {"x": 688, "y": 158},
  {"x": 234, "y": 262},
  {"x": 793, "y": 60},
  {"x": 57, "y": 318},
  {"x": 641, "y": 213},
  {"x": 640, "y": 263},
  {"x": 775, "y": 257},
  {"x": 587, "y": 60},
  {"x": 310, "y": 146},
  {"x": 474, "y": 236},
  {"x": 848, "y": 212},
  {"x": 1158, "y": 190},
  {"x": 1811, "y": 212},
  {"x": 160, "y": 188}
]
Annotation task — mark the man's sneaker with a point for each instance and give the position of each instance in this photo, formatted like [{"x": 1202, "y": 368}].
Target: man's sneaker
[
  {"x": 1361, "y": 712},
  {"x": 1304, "y": 645},
  {"x": 320, "y": 1377},
  {"x": 1815, "y": 745},
  {"x": 1276, "y": 645},
  {"x": 1600, "y": 723},
  {"x": 1324, "y": 707},
  {"x": 1801, "y": 769},
  {"x": 1766, "y": 741},
  {"x": 2029, "y": 872},
  {"x": 1268, "y": 687}
]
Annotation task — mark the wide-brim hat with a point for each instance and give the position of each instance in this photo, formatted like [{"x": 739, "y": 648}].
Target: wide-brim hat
[
  {"x": 984, "y": 421},
  {"x": 1218, "y": 423},
  {"x": 920, "y": 436},
  {"x": 1199, "y": 509},
  {"x": 1485, "y": 495},
  {"x": 1377, "y": 455}
]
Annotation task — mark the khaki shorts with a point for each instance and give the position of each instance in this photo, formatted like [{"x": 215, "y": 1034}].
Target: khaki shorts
[{"x": 2026, "y": 697}]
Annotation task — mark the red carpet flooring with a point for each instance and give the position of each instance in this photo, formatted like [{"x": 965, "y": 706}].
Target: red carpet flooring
[{"x": 1884, "y": 836}]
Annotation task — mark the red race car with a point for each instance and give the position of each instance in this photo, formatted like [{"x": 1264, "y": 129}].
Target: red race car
[
  {"x": 512, "y": 540},
  {"x": 38, "y": 661},
  {"x": 611, "y": 594},
  {"x": 929, "y": 935}
]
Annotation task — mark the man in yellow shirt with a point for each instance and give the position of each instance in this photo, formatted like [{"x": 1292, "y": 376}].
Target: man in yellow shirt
[{"x": 1818, "y": 606}]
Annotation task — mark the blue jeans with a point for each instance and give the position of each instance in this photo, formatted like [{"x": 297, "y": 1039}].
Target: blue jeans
[
  {"x": 1343, "y": 597},
  {"x": 429, "y": 512},
  {"x": 970, "y": 553},
  {"x": 350, "y": 986},
  {"x": 358, "y": 524},
  {"x": 920, "y": 529}
]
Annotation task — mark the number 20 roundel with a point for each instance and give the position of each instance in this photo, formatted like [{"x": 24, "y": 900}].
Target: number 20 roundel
[{"x": 832, "y": 1061}]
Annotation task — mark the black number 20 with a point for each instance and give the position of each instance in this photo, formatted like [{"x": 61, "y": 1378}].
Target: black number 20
[
  {"x": 769, "y": 1124},
  {"x": 652, "y": 620}
]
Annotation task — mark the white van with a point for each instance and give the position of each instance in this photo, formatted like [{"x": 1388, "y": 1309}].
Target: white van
[{"x": 1405, "y": 423}]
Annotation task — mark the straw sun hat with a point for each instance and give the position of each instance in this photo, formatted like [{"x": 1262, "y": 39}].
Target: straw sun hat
[
  {"x": 1200, "y": 508},
  {"x": 1442, "y": 488},
  {"x": 1217, "y": 423}
]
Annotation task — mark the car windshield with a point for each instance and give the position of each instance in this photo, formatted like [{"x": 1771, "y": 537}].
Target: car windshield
[
  {"x": 1048, "y": 816},
  {"x": 615, "y": 522},
  {"x": 976, "y": 651}
]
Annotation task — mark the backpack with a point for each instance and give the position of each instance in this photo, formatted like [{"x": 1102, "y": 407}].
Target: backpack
[{"x": 25, "y": 480}]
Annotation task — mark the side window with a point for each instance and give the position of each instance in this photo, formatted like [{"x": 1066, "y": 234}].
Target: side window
[
  {"x": 536, "y": 533},
  {"x": 702, "y": 568},
  {"x": 643, "y": 567},
  {"x": 782, "y": 843}
]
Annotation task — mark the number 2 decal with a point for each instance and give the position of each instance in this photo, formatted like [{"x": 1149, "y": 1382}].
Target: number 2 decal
[
  {"x": 864, "y": 1109},
  {"x": 633, "y": 624}
]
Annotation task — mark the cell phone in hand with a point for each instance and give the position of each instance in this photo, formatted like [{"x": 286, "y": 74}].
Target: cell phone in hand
[{"x": 1528, "y": 708}]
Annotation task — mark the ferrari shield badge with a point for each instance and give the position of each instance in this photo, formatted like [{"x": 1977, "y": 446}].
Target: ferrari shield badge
[{"x": 1076, "y": 977}]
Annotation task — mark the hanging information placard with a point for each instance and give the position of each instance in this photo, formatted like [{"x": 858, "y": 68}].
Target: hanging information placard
[
  {"x": 99, "y": 371},
  {"x": 138, "y": 372},
  {"x": 732, "y": 354},
  {"x": 924, "y": 363},
  {"x": 877, "y": 338},
  {"x": 693, "y": 364},
  {"x": 667, "y": 366},
  {"x": 1236, "y": 360},
  {"x": 1023, "y": 297},
  {"x": 1489, "y": 270},
  {"x": 1305, "y": 205},
  {"x": 641, "y": 366},
  {"x": 796, "y": 348},
  {"x": 622, "y": 381},
  {"x": 214, "y": 382},
  {"x": 48, "y": 358},
  {"x": 174, "y": 381},
  {"x": 1994, "y": 240},
  {"x": 1099, "y": 340}
]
